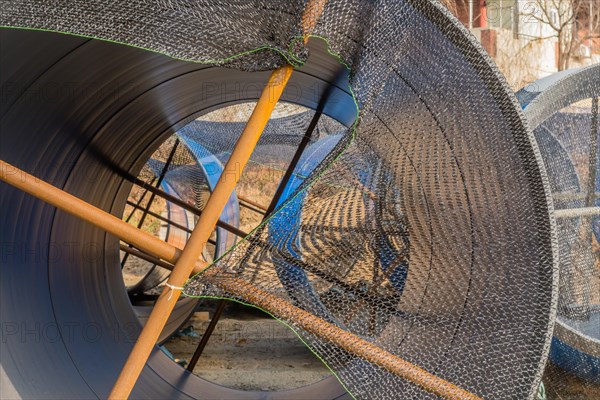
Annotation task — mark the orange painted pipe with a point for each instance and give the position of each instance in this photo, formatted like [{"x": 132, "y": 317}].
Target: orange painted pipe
[
  {"x": 204, "y": 227},
  {"x": 87, "y": 212},
  {"x": 210, "y": 215}
]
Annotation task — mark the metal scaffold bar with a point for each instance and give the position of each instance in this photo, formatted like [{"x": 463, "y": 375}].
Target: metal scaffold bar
[
  {"x": 577, "y": 212},
  {"x": 87, "y": 212},
  {"x": 178, "y": 202},
  {"x": 146, "y": 210}
]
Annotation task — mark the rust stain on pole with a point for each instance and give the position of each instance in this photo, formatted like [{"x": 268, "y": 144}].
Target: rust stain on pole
[{"x": 345, "y": 340}]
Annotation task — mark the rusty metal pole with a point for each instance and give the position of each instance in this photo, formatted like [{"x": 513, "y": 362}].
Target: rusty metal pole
[
  {"x": 337, "y": 336},
  {"x": 87, "y": 212},
  {"x": 260, "y": 298}
]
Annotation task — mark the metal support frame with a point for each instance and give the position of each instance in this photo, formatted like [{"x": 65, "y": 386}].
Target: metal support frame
[
  {"x": 577, "y": 212},
  {"x": 89, "y": 213},
  {"x": 177, "y": 201},
  {"x": 146, "y": 209},
  {"x": 145, "y": 256},
  {"x": 251, "y": 205},
  {"x": 207, "y": 334},
  {"x": 300, "y": 150},
  {"x": 139, "y": 202},
  {"x": 593, "y": 153}
]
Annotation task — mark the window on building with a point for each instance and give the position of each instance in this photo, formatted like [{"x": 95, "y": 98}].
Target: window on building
[
  {"x": 554, "y": 19},
  {"x": 501, "y": 14}
]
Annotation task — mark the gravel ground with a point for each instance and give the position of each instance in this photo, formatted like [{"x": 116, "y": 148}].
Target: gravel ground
[{"x": 249, "y": 351}]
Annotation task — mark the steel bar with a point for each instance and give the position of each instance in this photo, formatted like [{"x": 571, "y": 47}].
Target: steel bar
[
  {"x": 566, "y": 196},
  {"x": 170, "y": 222},
  {"x": 593, "y": 153},
  {"x": 268, "y": 302},
  {"x": 87, "y": 212},
  {"x": 164, "y": 219},
  {"x": 207, "y": 333},
  {"x": 186, "y": 206},
  {"x": 252, "y": 203},
  {"x": 577, "y": 212},
  {"x": 161, "y": 177},
  {"x": 139, "y": 202},
  {"x": 145, "y": 256},
  {"x": 98, "y": 178},
  {"x": 343, "y": 339},
  {"x": 589, "y": 210},
  {"x": 299, "y": 151},
  {"x": 251, "y": 208}
]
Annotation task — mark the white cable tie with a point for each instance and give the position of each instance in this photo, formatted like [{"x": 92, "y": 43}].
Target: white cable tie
[{"x": 173, "y": 288}]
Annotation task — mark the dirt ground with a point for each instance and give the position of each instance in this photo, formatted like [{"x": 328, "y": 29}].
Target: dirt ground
[{"x": 249, "y": 351}]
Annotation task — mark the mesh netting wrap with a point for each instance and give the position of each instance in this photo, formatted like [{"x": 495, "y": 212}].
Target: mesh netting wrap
[
  {"x": 425, "y": 230},
  {"x": 563, "y": 109}
]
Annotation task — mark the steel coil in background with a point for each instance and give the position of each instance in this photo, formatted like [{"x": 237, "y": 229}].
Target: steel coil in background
[
  {"x": 562, "y": 113},
  {"x": 83, "y": 115}
]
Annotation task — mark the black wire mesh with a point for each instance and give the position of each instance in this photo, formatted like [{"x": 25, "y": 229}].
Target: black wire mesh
[
  {"x": 565, "y": 118},
  {"x": 424, "y": 228}
]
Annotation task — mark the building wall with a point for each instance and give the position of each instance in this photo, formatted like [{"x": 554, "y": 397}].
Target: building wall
[
  {"x": 523, "y": 60},
  {"x": 524, "y": 48},
  {"x": 516, "y": 41}
]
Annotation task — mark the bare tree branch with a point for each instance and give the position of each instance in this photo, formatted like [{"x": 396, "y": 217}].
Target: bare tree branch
[{"x": 572, "y": 21}]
